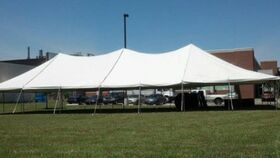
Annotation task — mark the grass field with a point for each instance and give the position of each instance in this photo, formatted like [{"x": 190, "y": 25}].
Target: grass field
[{"x": 252, "y": 133}]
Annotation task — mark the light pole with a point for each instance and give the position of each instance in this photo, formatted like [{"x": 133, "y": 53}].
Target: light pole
[{"x": 124, "y": 27}]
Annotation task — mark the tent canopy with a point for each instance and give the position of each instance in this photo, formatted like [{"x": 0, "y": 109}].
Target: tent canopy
[{"x": 126, "y": 68}]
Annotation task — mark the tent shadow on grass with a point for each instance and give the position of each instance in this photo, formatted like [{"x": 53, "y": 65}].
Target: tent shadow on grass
[{"x": 143, "y": 110}]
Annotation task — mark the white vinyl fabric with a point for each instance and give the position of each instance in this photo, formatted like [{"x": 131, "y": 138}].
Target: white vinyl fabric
[{"x": 126, "y": 68}]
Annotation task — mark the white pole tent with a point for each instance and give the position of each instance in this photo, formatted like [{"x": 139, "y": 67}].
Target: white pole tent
[{"x": 125, "y": 68}]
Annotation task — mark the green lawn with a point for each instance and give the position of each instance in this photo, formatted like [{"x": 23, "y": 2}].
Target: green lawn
[{"x": 149, "y": 134}]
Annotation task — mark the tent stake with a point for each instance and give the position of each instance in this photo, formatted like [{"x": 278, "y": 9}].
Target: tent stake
[
  {"x": 57, "y": 97},
  {"x": 139, "y": 100},
  {"x": 19, "y": 96},
  {"x": 182, "y": 97}
]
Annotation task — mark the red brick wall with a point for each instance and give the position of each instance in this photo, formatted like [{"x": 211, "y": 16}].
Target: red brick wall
[
  {"x": 244, "y": 59},
  {"x": 268, "y": 65}
]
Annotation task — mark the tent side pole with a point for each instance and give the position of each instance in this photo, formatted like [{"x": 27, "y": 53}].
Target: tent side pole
[
  {"x": 126, "y": 96},
  {"x": 277, "y": 92},
  {"x": 230, "y": 96},
  {"x": 97, "y": 99},
  {"x": 100, "y": 94},
  {"x": 139, "y": 100},
  {"x": 3, "y": 102},
  {"x": 23, "y": 100},
  {"x": 47, "y": 100},
  {"x": 19, "y": 96},
  {"x": 61, "y": 101},
  {"x": 56, "y": 101},
  {"x": 123, "y": 100},
  {"x": 275, "y": 89},
  {"x": 182, "y": 97},
  {"x": 274, "y": 93}
]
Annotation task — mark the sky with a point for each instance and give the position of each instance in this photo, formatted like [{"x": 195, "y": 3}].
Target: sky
[{"x": 153, "y": 26}]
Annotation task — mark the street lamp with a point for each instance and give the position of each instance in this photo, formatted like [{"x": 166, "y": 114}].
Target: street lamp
[{"x": 124, "y": 27}]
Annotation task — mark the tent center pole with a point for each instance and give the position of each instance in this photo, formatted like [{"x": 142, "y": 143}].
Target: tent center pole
[{"x": 19, "y": 96}]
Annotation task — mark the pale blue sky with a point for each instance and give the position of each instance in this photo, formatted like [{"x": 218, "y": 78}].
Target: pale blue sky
[{"x": 96, "y": 26}]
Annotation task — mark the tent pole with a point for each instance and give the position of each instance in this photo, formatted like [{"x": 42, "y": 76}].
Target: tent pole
[
  {"x": 123, "y": 100},
  {"x": 19, "y": 96},
  {"x": 182, "y": 97},
  {"x": 23, "y": 102},
  {"x": 97, "y": 98},
  {"x": 34, "y": 102},
  {"x": 126, "y": 95},
  {"x": 61, "y": 100},
  {"x": 3, "y": 102},
  {"x": 47, "y": 100},
  {"x": 277, "y": 97},
  {"x": 56, "y": 101},
  {"x": 230, "y": 96},
  {"x": 139, "y": 100},
  {"x": 274, "y": 93},
  {"x": 100, "y": 94}
]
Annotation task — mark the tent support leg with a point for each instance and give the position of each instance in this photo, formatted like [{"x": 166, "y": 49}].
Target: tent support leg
[
  {"x": 34, "y": 102},
  {"x": 61, "y": 100},
  {"x": 3, "y": 102},
  {"x": 274, "y": 93},
  {"x": 230, "y": 96},
  {"x": 275, "y": 89},
  {"x": 47, "y": 101},
  {"x": 139, "y": 101},
  {"x": 182, "y": 98},
  {"x": 23, "y": 104},
  {"x": 126, "y": 95},
  {"x": 277, "y": 92},
  {"x": 57, "y": 98},
  {"x": 97, "y": 99},
  {"x": 123, "y": 101},
  {"x": 19, "y": 96}
]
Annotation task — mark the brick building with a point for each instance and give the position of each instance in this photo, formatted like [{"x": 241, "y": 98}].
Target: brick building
[
  {"x": 243, "y": 58},
  {"x": 270, "y": 66}
]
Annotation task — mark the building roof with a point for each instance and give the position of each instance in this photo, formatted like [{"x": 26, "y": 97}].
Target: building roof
[
  {"x": 31, "y": 62},
  {"x": 229, "y": 50}
]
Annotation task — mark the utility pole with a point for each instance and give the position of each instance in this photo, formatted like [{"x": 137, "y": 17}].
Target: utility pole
[{"x": 124, "y": 27}]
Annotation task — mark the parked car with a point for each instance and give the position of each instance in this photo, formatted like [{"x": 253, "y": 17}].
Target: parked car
[
  {"x": 169, "y": 96},
  {"x": 155, "y": 99},
  {"x": 93, "y": 99},
  {"x": 218, "y": 99},
  {"x": 268, "y": 96},
  {"x": 134, "y": 99},
  {"x": 113, "y": 98},
  {"x": 76, "y": 99}
]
